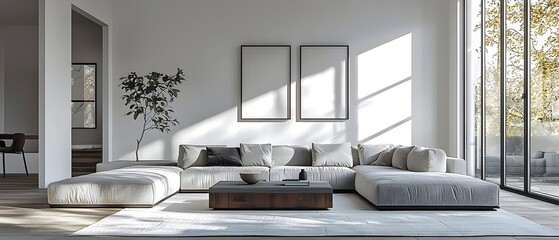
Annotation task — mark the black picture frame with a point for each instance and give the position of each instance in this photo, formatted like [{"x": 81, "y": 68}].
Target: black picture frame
[
  {"x": 306, "y": 64},
  {"x": 265, "y": 67}
]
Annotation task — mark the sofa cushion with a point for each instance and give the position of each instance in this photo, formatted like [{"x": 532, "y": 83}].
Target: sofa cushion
[
  {"x": 392, "y": 187},
  {"x": 332, "y": 155},
  {"x": 422, "y": 159},
  {"x": 193, "y": 155},
  {"x": 138, "y": 186},
  {"x": 384, "y": 158},
  {"x": 223, "y": 156},
  {"x": 368, "y": 153},
  {"x": 340, "y": 178},
  {"x": 400, "y": 157},
  {"x": 202, "y": 178},
  {"x": 291, "y": 155},
  {"x": 256, "y": 154}
]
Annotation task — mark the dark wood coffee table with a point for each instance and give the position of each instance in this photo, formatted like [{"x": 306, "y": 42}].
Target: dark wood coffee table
[{"x": 270, "y": 195}]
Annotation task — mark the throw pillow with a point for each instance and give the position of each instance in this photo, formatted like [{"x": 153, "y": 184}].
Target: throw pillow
[
  {"x": 400, "y": 157},
  {"x": 332, "y": 155},
  {"x": 291, "y": 155},
  {"x": 355, "y": 155},
  {"x": 256, "y": 154},
  {"x": 423, "y": 159},
  {"x": 193, "y": 155},
  {"x": 384, "y": 158},
  {"x": 368, "y": 153},
  {"x": 223, "y": 156}
]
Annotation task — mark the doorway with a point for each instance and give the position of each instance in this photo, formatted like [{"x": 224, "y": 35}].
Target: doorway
[{"x": 87, "y": 124}]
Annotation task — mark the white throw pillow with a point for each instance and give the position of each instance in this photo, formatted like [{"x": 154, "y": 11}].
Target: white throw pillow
[
  {"x": 256, "y": 154},
  {"x": 368, "y": 153},
  {"x": 384, "y": 158},
  {"x": 193, "y": 155},
  {"x": 400, "y": 157},
  {"x": 332, "y": 155},
  {"x": 422, "y": 159}
]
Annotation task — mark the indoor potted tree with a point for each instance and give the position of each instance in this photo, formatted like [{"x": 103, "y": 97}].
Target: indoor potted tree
[{"x": 148, "y": 98}]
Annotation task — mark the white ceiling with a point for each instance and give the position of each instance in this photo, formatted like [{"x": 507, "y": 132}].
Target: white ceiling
[{"x": 19, "y": 12}]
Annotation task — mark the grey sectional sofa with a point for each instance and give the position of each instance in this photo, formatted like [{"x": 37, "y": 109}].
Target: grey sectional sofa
[{"x": 385, "y": 186}]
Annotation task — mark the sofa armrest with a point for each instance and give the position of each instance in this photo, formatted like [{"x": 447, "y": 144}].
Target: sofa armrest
[{"x": 456, "y": 165}]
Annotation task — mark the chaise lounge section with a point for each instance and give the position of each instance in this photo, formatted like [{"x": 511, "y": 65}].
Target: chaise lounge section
[
  {"x": 136, "y": 186},
  {"x": 390, "y": 188}
]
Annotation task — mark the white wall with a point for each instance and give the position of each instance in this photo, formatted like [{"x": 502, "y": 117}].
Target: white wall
[
  {"x": 54, "y": 75},
  {"x": 456, "y": 75},
  {"x": 21, "y": 80},
  {"x": 19, "y": 90},
  {"x": 399, "y": 55},
  {"x": 2, "y": 88}
]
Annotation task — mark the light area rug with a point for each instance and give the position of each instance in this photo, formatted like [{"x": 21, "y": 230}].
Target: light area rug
[{"x": 187, "y": 214}]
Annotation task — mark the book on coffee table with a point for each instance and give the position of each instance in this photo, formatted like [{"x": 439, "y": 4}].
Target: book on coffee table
[{"x": 295, "y": 182}]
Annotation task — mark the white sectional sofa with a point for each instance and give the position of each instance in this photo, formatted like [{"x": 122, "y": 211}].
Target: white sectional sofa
[
  {"x": 287, "y": 162},
  {"x": 434, "y": 180}
]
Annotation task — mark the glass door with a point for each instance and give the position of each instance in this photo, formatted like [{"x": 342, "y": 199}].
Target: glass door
[
  {"x": 491, "y": 104},
  {"x": 512, "y": 100},
  {"x": 544, "y": 91},
  {"x": 514, "y": 93}
]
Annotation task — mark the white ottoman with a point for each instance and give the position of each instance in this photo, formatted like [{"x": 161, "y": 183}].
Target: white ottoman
[{"x": 136, "y": 186}]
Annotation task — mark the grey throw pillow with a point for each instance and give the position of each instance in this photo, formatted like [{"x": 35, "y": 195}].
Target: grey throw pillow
[
  {"x": 384, "y": 158},
  {"x": 291, "y": 155},
  {"x": 355, "y": 155},
  {"x": 332, "y": 155},
  {"x": 400, "y": 157},
  {"x": 256, "y": 154},
  {"x": 368, "y": 153},
  {"x": 423, "y": 159}
]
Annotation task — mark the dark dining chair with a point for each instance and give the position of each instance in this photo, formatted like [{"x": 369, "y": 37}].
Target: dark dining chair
[{"x": 18, "y": 141}]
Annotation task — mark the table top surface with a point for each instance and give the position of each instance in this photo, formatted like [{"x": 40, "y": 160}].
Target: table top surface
[{"x": 269, "y": 187}]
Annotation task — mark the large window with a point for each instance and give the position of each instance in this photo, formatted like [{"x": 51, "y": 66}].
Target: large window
[{"x": 512, "y": 101}]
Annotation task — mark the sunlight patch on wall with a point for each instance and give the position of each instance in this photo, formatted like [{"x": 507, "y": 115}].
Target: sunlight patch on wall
[
  {"x": 385, "y": 93},
  {"x": 272, "y": 103},
  {"x": 384, "y": 65},
  {"x": 316, "y": 88}
]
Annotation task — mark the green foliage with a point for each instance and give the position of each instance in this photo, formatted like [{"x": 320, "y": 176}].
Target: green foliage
[
  {"x": 544, "y": 69},
  {"x": 148, "y": 98}
]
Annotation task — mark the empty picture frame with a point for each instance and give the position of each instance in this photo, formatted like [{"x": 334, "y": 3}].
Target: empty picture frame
[
  {"x": 324, "y": 82},
  {"x": 265, "y": 83}
]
